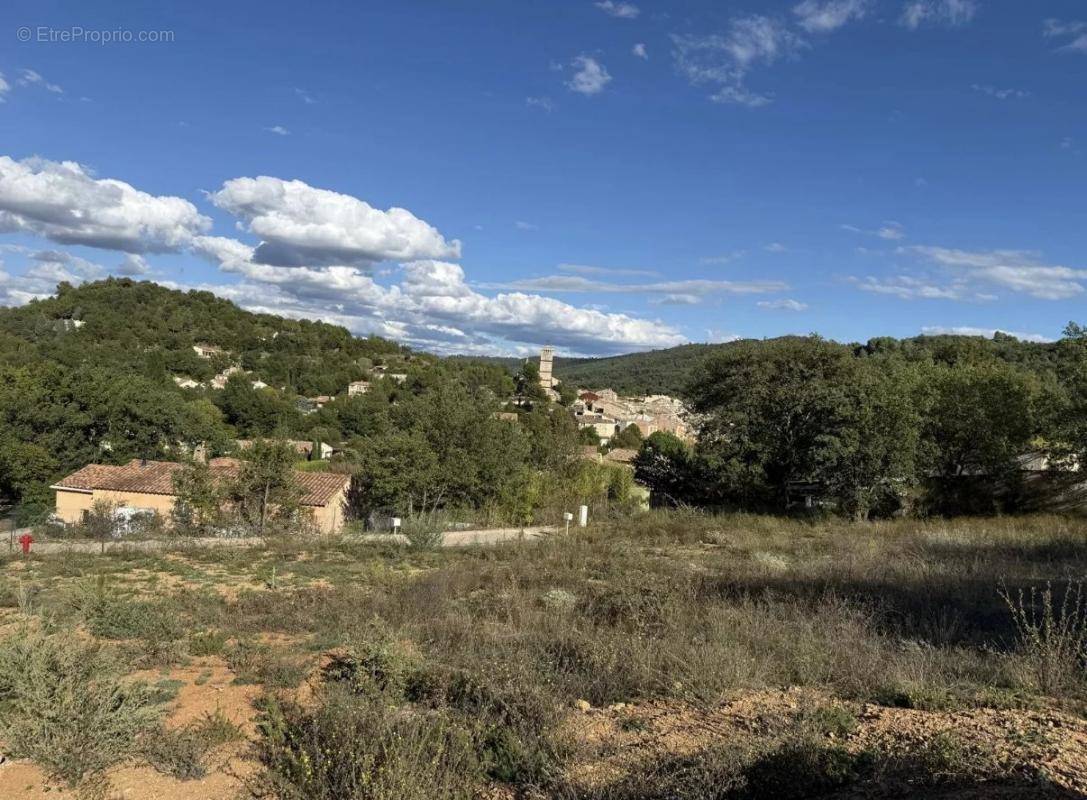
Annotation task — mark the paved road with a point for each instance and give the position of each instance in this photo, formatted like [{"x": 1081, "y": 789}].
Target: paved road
[{"x": 452, "y": 539}]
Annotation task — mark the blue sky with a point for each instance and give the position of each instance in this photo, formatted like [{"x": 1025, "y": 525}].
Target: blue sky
[{"x": 603, "y": 176}]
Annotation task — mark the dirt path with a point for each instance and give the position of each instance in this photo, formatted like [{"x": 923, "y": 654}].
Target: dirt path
[{"x": 486, "y": 536}]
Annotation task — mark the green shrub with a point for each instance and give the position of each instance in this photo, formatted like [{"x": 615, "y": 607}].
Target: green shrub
[
  {"x": 207, "y": 643},
  {"x": 348, "y": 747},
  {"x": 67, "y": 707},
  {"x": 271, "y": 667},
  {"x": 184, "y": 752}
]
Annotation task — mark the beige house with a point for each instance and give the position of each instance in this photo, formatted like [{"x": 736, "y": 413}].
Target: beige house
[
  {"x": 143, "y": 485},
  {"x": 357, "y": 387}
]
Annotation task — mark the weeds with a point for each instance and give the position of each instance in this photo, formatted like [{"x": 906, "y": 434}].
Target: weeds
[
  {"x": 184, "y": 752},
  {"x": 1051, "y": 636},
  {"x": 352, "y": 748}
]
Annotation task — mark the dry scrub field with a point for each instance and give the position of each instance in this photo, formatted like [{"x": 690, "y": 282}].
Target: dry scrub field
[{"x": 666, "y": 656}]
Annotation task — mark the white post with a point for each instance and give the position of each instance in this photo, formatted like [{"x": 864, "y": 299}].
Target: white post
[
  {"x": 583, "y": 516},
  {"x": 567, "y": 517}
]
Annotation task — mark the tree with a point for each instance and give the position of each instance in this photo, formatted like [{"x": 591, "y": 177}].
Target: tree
[
  {"x": 668, "y": 467},
  {"x": 266, "y": 487},
  {"x": 199, "y": 498},
  {"x": 775, "y": 413},
  {"x": 588, "y": 436},
  {"x": 630, "y": 437}
]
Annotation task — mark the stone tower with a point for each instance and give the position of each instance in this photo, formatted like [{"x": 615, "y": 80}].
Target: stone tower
[{"x": 547, "y": 357}]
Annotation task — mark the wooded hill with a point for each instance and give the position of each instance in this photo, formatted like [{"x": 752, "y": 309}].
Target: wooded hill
[{"x": 141, "y": 327}]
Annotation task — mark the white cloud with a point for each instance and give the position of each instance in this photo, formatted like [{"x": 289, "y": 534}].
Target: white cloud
[
  {"x": 677, "y": 300},
  {"x": 590, "y": 78},
  {"x": 906, "y": 287},
  {"x": 133, "y": 264},
  {"x": 545, "y": 103},
  {"x": 432, "y": 307},
  {"x": 724, "y": 258},
  {"x": 620, "y": 9},
  {"x": 785, "y": 304},
  {"x": 823, "y": 16},
  {"x": 521, "y": 225},
  {"x": 305, "y": 96},
  {"x": 586, "y": 269},
  {"x": 775, "y": 247},
  {"x": 1017, "y": 270},
  {"x": 47, "y": 269},
  {"x": 29, "y": 77},
  {"x": 640, "y": 50},
  {"x": 988, "y": 333},
  {"x": 5, "y": 87},
  {"x": 303, "y": 225},
  {"x": 724, "y": 61},
  {"x": 890, "y": 230},
  {"x": 1073, "y": 32},
  {"x": 1000, "y": 94},
  {"x": 62, "y": 201},
  {"x": 278, "y": 130},
  {"x": 580, "y": 284},
  {"x": 937, "y": 12}
]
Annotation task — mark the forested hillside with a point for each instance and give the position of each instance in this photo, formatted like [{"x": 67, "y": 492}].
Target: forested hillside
[
  {"x": 138, "y": 326},
  {"x": 671, "y": 371}
]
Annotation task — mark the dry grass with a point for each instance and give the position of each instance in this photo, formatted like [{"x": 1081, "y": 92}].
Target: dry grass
[{"x": 494, "y": 646}]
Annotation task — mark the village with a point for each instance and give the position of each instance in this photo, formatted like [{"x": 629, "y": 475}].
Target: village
[{"x": 608, "y": 424}]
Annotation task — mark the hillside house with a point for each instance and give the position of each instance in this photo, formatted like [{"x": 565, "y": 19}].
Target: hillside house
[
  {"x": 207, "y": 350},
  {"x": 605, "y": 427},
  {"x": 186, "y": 383},
  {"x": 147, "y": 487},
  {"x": 356, "y": 388}
]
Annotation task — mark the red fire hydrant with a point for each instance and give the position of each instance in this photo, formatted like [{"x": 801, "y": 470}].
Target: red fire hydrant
[{"x": 25, "y": 540}]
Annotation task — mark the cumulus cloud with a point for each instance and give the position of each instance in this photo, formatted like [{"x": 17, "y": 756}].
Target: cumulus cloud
[
  {"x": 950, "y": 13},
  {"x": 829, "y": 15},
  {"x": 988, "y": 333},
  {"x": 785, "y": 304},
  {"x": 432, "y": 306},
  {"x": 278, "y": 130},
  {"x": 5, "y": 87},
  {"x": 133, "y": 265},
  {"x": 64, "y": 202},
  {"x": 724, "y": 61},
  {"x": 618, "y": 9},
  {"x": 1074, "y": 33},
  {"x": 302, "y": 225},
  {"x": 590, "y": 77},
  {"x": 640, "y": 50},
  {"x": 47, "y": 268}
]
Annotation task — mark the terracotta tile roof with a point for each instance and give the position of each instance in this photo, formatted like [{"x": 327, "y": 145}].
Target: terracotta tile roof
[
  {"x": 621, "y": 455},
  {"x": 156, "y": 477}
]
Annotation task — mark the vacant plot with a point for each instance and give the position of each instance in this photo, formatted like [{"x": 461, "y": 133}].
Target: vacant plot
[{"x": 665, "y": 656}]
